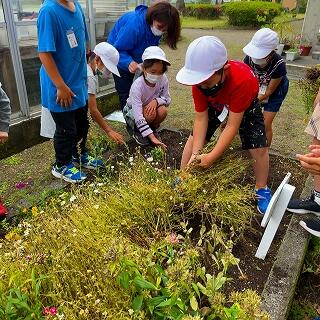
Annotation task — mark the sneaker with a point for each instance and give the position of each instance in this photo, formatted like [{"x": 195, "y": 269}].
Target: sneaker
[
  {"x": 88, "y": 161},
  {"x": 68, "y": 173},
  {"x": 263, "y": 198},
  {"x": 143, "y": 141},
  {"x": 312, "y": 225},
  {"x": 3, "y": 210},
  {"x": 304, "y": 206}
]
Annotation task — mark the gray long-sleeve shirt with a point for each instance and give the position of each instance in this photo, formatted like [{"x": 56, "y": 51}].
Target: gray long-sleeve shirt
[
  {"x": 5, "y": 111},
  {"x": 141, "y": 94}
]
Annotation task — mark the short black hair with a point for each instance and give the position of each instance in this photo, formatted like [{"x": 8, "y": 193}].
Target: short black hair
[{"x": 148, "y": 63}]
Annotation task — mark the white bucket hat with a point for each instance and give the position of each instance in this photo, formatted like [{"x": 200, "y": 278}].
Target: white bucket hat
[
  {"x": 204, "y": 57},
  {"x": 262, "y": 43},
  {"x": 155, "y": 52},
  {"x": 109, "y": 56}
]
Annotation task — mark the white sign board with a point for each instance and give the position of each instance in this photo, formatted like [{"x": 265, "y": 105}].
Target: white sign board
[{"x": 274, "y": 214}]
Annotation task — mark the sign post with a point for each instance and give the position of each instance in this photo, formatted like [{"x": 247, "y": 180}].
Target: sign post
[{"x": 274, "y": 214}]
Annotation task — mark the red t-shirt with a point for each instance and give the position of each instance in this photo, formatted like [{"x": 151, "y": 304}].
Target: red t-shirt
[{"x": 240, "y": 89}]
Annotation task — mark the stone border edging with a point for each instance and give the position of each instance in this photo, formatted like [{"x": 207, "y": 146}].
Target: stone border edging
[{"x": 280, "y": 287}]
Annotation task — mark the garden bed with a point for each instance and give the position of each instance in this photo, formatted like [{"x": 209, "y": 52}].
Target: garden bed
[
  {"x": 255, "y": 271},
  {"x": 144, "y": 240}
]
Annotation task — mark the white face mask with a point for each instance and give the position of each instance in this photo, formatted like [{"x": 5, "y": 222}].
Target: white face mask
[
  {"x": 156, "y": 31},
  {"x": 259, "y": 61},
  {"x": 152, "y": 78}
]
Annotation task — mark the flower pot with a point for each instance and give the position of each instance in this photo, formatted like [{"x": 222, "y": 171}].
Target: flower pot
[
  {"x": 291, "y": 55},
  {"x": 304, "y": 50},
  {"x": 279, "y": 49}
]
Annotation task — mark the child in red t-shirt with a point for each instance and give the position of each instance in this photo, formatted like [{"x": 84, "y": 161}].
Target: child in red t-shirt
[{"x": 224, "y": 90}]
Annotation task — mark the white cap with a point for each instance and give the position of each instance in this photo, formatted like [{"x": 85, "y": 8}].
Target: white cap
[
  {"x": 155, "y": 52},
  {"x": 204, "y": 57},
  {"x": 109, "y": 56},
  {"x": 262, "y": 43}
]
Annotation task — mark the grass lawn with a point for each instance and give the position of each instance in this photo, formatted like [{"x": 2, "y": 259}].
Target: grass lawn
[{"x": 192, "y": 22}]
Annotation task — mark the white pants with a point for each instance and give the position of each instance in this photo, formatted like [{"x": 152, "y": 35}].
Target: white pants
[{"x": 48, "y": 126}]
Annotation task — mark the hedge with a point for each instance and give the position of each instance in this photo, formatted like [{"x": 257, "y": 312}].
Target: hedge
[
  {"x": 251, "y": 14},
  {"x": 203, "y": 11}
]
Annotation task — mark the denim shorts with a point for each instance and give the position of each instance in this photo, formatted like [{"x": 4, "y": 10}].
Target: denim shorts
[
  {"x": 252, "y": 130},
  {"x": 275, "y": 100}
]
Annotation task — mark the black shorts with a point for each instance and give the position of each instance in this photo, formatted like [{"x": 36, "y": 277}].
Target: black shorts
[{"x": 252, "y": 130}]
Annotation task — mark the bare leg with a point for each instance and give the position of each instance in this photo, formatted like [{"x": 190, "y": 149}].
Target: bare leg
[
  {"x": 149, "y": 118},
  {"x": 268, "y": 119},
  {"x": 160, "y": 116},
  {"x": 260, "y": 165},
  {"x": 187, "y": 152}
]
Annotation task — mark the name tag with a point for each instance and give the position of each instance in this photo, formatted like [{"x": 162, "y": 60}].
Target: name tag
[
  {"x": 73, "y": 43},
  {"x": 263, "y": 89},
  {"x": 223, "y": 115}
]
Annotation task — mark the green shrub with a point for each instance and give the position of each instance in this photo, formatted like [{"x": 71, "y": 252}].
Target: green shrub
[
  {"x": 251, "y": 14},
  {"x": 203, "y": 11}
]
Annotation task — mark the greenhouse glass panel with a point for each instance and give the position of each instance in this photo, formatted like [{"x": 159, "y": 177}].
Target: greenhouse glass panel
[{"x": 7, "y": 77}]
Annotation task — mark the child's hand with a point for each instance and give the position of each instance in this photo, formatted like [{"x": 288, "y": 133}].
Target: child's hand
[
  {"x": 3, "y": 136},
  {"x": 201, "y": 160},
  {"x": 115, "y": 136},
  {"x": 157, "y": 142},
  {"x": 310, "y": 163},
  {"x": 64, "y": 96},
  {"x": 315, "y": 150},
  {"x": 151, "y": 109}
]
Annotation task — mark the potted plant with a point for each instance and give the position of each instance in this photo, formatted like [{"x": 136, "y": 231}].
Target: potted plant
[
  {"x": 305, "y": 46},
  {"x": 293, "y": 53}
]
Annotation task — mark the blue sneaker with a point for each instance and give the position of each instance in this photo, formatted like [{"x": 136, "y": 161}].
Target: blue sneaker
[
  {"x": 68, "y": 173},
  {"x": 263, "y": 198},
  {"x": 88, "y": 161}
]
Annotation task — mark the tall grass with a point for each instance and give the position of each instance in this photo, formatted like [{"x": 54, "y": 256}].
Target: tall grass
[{"x": 81, "y": 236}]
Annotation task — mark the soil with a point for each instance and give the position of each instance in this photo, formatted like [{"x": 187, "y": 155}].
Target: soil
[{"x": 255, "y": 270}]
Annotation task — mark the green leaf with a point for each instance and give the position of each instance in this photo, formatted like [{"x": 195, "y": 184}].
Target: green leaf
[
  {"x": 194, "y": 303},
  {"x": 144, "y": 284},
  {"x": 137, "y": 303},
  {"x": 124, "y": 279},
  {"x": 167, "y": 303},
  {"x": 155, "y": 301},
  {"x": 166, "y": 292},
  {"x": 196, "y": 289}
]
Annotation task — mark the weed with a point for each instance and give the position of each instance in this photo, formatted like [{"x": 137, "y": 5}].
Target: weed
[{"x": 13, "y": 160}]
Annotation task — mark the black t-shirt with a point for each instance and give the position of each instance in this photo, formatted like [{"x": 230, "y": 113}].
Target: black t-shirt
[{"x": 276, "y": 68}]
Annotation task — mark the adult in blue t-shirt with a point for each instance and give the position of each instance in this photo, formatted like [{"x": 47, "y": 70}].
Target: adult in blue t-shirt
[
  {"x": 137, "y": 30},
  {"x": 62, "y": 37}
]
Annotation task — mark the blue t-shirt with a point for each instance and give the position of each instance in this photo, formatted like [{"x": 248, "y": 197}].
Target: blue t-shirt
[{"x": 57, "y": 28}]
